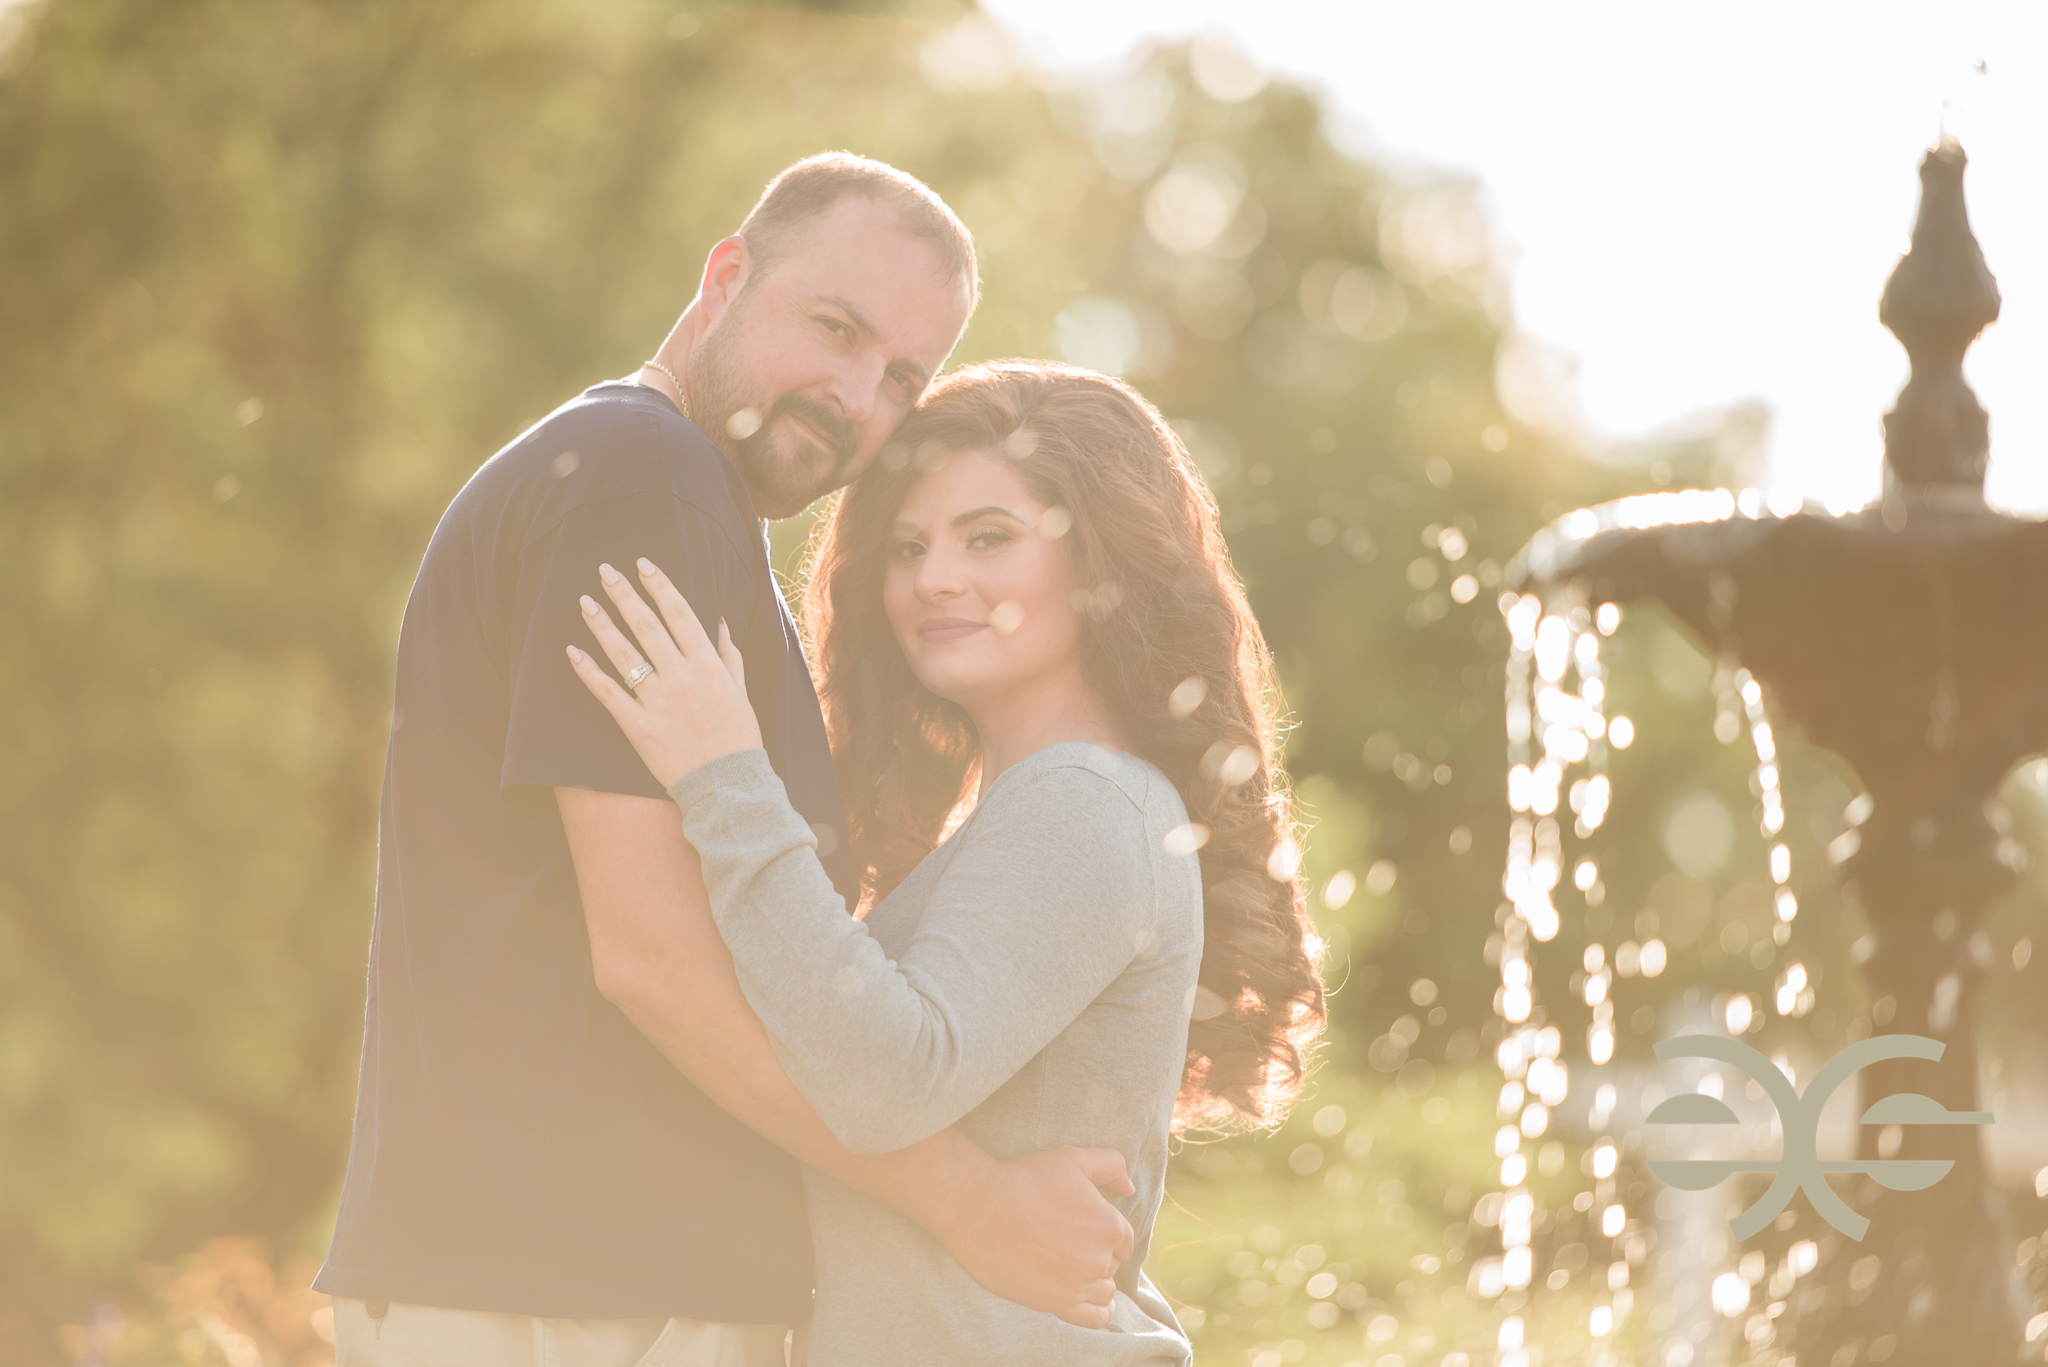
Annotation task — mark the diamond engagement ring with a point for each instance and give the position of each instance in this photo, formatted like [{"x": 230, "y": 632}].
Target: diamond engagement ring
[{"x": 637, "y": 675}]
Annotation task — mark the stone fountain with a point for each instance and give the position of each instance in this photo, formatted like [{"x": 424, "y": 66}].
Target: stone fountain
[{"x": 1911, "y": 639}]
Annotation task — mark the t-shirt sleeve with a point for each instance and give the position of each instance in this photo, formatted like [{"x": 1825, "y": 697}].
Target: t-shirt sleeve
[{"x": 559, "y": 735}]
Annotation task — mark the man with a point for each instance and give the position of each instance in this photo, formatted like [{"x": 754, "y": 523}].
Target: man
[{"x": 559, "y": 1149}]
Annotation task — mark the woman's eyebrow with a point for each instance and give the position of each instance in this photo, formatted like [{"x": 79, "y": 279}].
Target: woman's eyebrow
[
  {"x": 904, "y": 528},
  {"x": 968, "y": 517}
]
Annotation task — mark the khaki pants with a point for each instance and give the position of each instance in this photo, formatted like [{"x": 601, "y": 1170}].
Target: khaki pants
[{"x": 429, "y": 1336}]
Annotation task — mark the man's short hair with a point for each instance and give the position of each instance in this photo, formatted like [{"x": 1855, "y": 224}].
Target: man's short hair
[{"x": 808, "y": 189}]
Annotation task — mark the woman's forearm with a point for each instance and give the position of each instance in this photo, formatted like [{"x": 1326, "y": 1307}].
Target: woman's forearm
[
  {"x": 891, "y": 1051},
  {"x": 1032, "y": 1229}
]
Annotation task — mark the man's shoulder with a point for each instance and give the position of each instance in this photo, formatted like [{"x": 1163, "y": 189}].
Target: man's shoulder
[{"x": 614, "y": 441}]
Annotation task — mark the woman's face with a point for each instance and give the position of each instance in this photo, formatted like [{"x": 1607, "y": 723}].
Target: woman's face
[{"x": 979, "y": 586}]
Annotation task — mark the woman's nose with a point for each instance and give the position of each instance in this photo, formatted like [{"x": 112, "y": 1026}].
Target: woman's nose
[{"x": 938, "y": 577}]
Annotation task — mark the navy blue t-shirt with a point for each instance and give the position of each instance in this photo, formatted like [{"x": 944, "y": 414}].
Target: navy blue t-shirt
[{"x": 519, "y": 1146}]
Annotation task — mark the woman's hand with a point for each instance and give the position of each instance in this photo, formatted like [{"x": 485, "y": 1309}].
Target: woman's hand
[{"x": 693, "y": 707}]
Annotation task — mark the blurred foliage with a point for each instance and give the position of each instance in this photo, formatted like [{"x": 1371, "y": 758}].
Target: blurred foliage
[
  {"x": 281, "y": 274},
  {"x": 225, "y": 1304}
]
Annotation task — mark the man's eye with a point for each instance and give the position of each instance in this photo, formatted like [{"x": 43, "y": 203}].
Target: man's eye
[{"x": 837, "y": 328}]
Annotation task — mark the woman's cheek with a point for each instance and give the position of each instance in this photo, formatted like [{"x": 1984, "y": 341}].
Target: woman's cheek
[
  {"x": 896, "y": 607},
  {"x": 895, "y": 594}
]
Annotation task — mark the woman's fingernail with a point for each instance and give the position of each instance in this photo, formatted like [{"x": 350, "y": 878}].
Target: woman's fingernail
[
  {"x": 589, "y": 608},
  {"x": 646, "y": 565},
  {"x": 574, "y": 653},
  {"x": 608, "y": 574}
]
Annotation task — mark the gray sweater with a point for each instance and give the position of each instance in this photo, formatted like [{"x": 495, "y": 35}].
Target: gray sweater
[{"x": 1030, "y": 981}]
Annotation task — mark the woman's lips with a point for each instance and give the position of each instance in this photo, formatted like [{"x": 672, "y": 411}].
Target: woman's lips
[{"x": 948, "y": 628}]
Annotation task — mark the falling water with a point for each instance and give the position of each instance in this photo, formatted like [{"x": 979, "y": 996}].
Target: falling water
[{"x": 1559, "y": 739}]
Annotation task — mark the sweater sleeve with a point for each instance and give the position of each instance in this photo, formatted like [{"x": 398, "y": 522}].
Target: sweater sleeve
[{"x": 1033, "y": 918}]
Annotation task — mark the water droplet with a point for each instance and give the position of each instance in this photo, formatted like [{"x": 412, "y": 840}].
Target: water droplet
[
  {"x": 1731, "y": 1294},
  {"x": 1186, "y": 696},
  {"x": 1237, "y": 766},
  {"x": 1652, "y": 958},
  {"x": 1741, "y": 1010}
]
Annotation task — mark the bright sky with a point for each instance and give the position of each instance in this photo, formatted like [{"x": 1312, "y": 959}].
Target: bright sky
[{"x": 1700, "y": 202}]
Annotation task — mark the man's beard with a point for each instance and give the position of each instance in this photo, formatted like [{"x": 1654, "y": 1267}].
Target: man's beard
[{"x": 783, "y": 482}]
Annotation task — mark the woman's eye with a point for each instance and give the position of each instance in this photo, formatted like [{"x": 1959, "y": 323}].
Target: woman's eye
[
  {"x": 906, "y": 550},
  {"x": 835, "y": 327},
  {"x": 988, "y": 538}
]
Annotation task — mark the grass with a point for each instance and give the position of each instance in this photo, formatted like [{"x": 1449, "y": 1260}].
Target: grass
[{"x": 1349, "y": 1236}]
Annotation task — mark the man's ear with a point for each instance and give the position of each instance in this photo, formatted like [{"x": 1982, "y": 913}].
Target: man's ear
[{"x": 725, "y": 275}]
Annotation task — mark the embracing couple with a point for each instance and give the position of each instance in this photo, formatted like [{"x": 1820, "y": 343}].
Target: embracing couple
[{"x": 707, "y": 1002}]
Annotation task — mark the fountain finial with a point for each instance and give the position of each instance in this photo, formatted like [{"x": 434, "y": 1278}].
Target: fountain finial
[{"x": 1939, "y": 298}]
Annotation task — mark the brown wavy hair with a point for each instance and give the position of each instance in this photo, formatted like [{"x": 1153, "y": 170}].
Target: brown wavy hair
[{"x": 1169, "y": 645}]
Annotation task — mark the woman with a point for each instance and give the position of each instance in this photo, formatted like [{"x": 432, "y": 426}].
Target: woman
[{"x": 1027, "y": 604}]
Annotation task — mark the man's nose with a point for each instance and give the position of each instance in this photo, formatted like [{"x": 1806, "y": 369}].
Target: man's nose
[{"x": 857, "y": 386}]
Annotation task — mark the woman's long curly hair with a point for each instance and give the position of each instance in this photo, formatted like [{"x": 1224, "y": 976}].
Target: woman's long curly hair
[{"x": 1169, "y": 645}]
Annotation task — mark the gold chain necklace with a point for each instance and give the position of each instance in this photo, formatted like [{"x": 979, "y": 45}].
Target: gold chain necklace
[{"x": 682, "y": 399}]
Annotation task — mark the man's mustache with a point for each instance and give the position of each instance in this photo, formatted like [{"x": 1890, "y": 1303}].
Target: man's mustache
[{"x": 837, "y": 430}]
